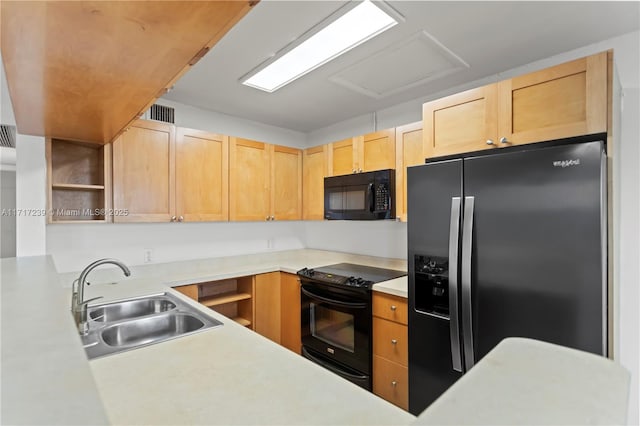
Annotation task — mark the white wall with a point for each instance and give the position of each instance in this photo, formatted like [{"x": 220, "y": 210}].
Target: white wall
[
  {"x": 373, "y": 238},
  {"x": 31, "y": 199},
  {"x": 202, "y": 119},
  {"x": 627, "y": 245},
  {"x": 73, "y": 246}
]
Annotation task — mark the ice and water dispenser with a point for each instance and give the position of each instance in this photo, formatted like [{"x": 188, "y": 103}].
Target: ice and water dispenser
[{"x": 432, "y": 285}]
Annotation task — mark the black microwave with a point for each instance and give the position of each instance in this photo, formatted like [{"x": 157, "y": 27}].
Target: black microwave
[{"x": 360, "y": 196}]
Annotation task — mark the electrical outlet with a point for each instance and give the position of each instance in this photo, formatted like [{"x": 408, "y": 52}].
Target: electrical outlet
[{"x": 148, "y": 255}]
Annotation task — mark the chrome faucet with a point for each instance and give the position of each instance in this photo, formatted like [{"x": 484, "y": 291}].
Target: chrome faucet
[{"x": 78, "y": 304}]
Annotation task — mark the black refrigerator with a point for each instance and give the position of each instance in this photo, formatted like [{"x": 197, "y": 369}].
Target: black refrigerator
[{"x": 502, "y": 244}]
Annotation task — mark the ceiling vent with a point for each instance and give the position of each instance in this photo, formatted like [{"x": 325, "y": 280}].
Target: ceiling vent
[
  {"x": 7, "y": 136},
  {"x": 411, "y": 62},
  {"x": 162, "y": 113}
]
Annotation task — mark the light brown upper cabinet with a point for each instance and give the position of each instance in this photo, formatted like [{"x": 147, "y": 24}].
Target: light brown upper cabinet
[
  {"x": 558, "y": 102},
  {"x": 164, "y": 174},
  {"x": 373, "y": 151},
  {"x": 286, "y": 183},
  {"x": 409, "y": 152},
  {"x": 265, "y": 181},
  {"x": 202, "y": 176},
  {"x": 144, "y": 173},
  {"x": 315, "y": 169},
  {"x": 342, "y": 157},
  {"x": 462, "y": 122},
  {"x": 85, "y": 70},
  {"x": 563, "y": 101},
  {"x": 377, "y": 151}
]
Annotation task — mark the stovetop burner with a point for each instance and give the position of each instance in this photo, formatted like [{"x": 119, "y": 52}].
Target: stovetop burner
[{"x": 350, "y": 274}]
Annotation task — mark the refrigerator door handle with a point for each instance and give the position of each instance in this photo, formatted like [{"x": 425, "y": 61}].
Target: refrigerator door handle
[
  {"x": 454, "y": 326},
  {"x": 467, "y": 314}
]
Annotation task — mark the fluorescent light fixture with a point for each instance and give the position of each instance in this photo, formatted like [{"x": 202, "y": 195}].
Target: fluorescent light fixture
[{"x": 359, "y": 24}]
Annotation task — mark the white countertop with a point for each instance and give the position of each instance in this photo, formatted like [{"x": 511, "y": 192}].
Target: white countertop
[
  {"x": 231, "y": 375},
  {"x": 529, "y": 382},
  {"x": 46, "y": 378},
  {"x": 225, "y": 375}
]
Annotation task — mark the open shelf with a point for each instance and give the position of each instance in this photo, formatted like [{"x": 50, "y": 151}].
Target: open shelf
[
  {"x": 72, "y": 186},
  {"x": 242, "y": 321},
  {"x": 79, "y": 176},
  {"x": 224, "y": 298},
  {"x": 232, "y": 298}
]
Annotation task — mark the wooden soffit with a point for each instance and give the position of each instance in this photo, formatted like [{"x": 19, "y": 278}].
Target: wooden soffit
[{"x": 84, "y": 70}]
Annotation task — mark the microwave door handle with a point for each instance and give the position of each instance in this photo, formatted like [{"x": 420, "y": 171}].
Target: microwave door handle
[
  {"x": 372, "y": 198},
  {"x": 352, "y": 305}
]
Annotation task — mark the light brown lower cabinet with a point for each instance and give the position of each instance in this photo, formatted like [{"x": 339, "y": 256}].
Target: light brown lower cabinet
[
  {"x": 290, "y": 335},
  {"x": 390, "y": 349},
  {"x": 267, "y": 305},
  {"x": 277, "y": 309},
  {"x": 191, "y": 291},
  {"x": 391, "y": 381}
]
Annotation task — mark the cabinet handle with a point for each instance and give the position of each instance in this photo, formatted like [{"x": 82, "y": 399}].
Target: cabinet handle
[
  {"x": 490, "y": 142},
  {"x": 180, "y": 219},
  {"x": 267, "y": 218},
  {"x": 359, "y": 170},
  {"x": 273, "y": 218},
  {"x": 394, "y": 342},
  {"x": 504, "y": 140},
  {"x": 173, "y": 218},
  {"x": 394, "y": 383},
  {"x": 355, "y": 171},
  {"x": 393, "y": 307}
]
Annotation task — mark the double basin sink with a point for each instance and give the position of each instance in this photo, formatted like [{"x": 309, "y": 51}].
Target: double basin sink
[{"x": 133, "y": 323}]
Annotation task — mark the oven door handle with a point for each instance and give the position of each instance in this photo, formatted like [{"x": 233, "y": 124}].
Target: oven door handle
[
  {"x": 330, "y": 367},
  {"x": 353, "y": 305}
]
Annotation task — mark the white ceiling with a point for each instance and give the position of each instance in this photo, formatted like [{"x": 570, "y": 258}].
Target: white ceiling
[{"x": 489, "y": 36}]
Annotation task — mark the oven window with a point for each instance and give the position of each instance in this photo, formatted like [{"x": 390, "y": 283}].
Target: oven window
[
  {"x": 354, "y": 200},
  {"x": 333, "y": 327}
]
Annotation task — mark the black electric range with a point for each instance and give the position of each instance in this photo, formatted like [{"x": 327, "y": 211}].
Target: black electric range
[
  {"x": 350, "y": 275},
  {"x": 336, "y": 317}
]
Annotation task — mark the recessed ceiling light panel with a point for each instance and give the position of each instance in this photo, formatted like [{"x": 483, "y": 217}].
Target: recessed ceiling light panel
[{"x": 328, "y": 40}]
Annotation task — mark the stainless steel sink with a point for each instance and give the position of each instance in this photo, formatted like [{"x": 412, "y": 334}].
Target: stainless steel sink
[
  {"x": 130, "y": 309},
  {"x": 133, "y": 323},
  {"x": 148, "y": 330}
]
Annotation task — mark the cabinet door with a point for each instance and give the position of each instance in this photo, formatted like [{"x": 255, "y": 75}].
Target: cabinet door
[
  {"x": 341, "y": 157},
  {"x": 286, "y": 183},
  {"x": 143, "y": 172},
  {"x": 314, "y": 168},
  {"x": 202, "y": 175},
  {"x": 267, "y": 305},
  {"x": 409, "y": 152},
  {"x": 558, "y": 102},
  {"x": 461, "y": 123},
  {"x": 377, "y": 151},
  {"x": 249, "y": 174},
  {"x": 290, "y": 325}
]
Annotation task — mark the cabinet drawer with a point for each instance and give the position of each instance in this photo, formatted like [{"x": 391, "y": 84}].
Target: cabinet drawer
[
  {"x": 390, "y": 340},
  {"x": 390, "y": 307},
  {"x": 391, "y": 381}
]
